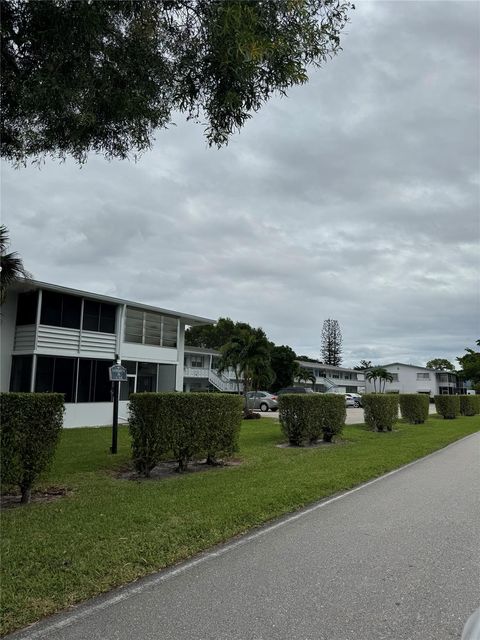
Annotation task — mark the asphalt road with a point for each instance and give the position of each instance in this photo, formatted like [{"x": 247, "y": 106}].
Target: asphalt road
[{"x": 395, "y": 559}]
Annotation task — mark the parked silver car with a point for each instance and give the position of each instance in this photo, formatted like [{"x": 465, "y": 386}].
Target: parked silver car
[
  {"x": 356, "y": 397},
  {"x": 349, "y": 401},
  {"x": 262, "y": 400}
]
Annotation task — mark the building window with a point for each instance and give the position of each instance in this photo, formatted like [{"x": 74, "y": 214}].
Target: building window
[
  {"x": 56, "y": 375},
  {"x": 146, "y": 377},
  {"x": 20, "y": 378},
  {"x": 93, "y": 381},
  {"x": 394, "y": 377},
  {"x": 197, "y": 361},
  {"x": 99, "y": 316},
  {"x": 423, "y": 376},
  {"x": 60, "y": 310},
  {"x": 150, "y": 328},
  {"x": 27, "y": 308}
]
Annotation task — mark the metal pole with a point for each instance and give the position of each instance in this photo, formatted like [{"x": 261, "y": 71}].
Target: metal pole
[
  {"x": 116, "y": 389},
  {"x": 115, "y": 417}
]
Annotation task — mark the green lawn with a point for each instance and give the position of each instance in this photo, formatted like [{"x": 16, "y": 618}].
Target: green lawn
[{"x": 110, "y": 531}]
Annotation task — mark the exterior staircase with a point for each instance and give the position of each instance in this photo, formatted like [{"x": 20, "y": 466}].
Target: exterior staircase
[{"x": 222, "y": 383}]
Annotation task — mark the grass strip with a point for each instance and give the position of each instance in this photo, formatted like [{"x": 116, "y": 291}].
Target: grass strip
[{"x": 110, "y": 531}]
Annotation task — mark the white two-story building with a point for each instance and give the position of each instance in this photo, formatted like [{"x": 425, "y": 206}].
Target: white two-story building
[
  {"x": 58, "y": 339},
  {"x": 330, "y": 379},
  {"x": 409, "y": 378},
  {"x": 200, "y": 372}
]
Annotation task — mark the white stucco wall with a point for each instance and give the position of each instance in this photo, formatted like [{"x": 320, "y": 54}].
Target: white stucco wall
[
  {"x": 407, "y": 380},
  {"x": 7, "y": 335},
  {"x": 93, "y": 414}
]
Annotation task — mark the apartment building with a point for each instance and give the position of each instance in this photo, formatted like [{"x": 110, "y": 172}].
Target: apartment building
[
  {"x": 330, "y": 379},
  {"x": 408, "y": 378},
  {"x": 200, "y": 372},
  {"x": 54, "y": 338}
]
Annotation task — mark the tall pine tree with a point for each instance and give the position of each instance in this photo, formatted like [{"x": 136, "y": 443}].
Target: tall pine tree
[{"x": 331, "y": 343}]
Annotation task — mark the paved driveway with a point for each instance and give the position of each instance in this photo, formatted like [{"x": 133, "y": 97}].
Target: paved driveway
[
  {"x": 395, "y": 559},
  {"x": 354, "y": 416}
]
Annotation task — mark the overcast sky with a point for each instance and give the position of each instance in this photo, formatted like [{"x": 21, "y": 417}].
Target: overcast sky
[{"x": 355, "y": 198}]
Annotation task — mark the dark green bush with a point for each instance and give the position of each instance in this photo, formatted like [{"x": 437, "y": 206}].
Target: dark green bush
[
  {"x": 184, "y": 424},
  {"x": 148, "y": 430},
  {"x": 295, "y": 417},
  {"x": 30, "y": 428},
  {"x": 333, "y": 415},
  {"x": 469, "y": 405},
  {"x": 381, "y": 410},
  {"x": 414, "y": 407},
  {"x": 307, "y": 417},
  {"x": 447, "y": 406}
]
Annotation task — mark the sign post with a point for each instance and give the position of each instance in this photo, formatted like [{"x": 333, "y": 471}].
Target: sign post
[{"x": 117, "y": 374}]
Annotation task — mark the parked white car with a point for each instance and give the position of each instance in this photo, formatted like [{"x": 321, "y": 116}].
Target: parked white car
[
  {"x": 349, "y": 402},
  {"x": 356, "y": 397}
]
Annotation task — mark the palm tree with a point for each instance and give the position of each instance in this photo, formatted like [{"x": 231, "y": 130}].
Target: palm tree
[
  {"x": 385, "y": 377},
  {"x": 305, "y": 375},
  {"x": 374, "y": 374},
  {"x": 248, "y": 353},
  {"x": 380, "y": 374},
  {"x": 11, "y": 265}
]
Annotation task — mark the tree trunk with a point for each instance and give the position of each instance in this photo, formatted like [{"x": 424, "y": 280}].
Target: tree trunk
[{"x": 26, "y": 494}]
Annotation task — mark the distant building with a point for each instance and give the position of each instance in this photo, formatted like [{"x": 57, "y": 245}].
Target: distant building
[
  {"x": 58, "y": 339},
  {"x": 200, "y": 372},
  {"x": 330, "y": 379},
  {"x": 409, "y": 378}
]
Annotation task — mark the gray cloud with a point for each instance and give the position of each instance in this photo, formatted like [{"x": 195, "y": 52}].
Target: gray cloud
[{"x": 356, "y": 198}]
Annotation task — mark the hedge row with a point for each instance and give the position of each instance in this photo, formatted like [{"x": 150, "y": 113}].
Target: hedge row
[
  {"x": 306, "y": 418},
  {"x": 185, "y": 425},
  {"x": 30, "y": 427},
  {"x": 414, "y": 407},
  {"x": 448, "y": 406},
  {"x": 469, "y": 405},
  {"x": 381, "y": 410}
]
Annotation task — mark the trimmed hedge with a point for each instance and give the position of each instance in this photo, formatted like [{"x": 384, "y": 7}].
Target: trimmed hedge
[
  {"x": 447, "y": 406},
  {"x": 414, "y": 407},
  {"x": 307, "y": 417},
  {"x": 30, "y": 428},
  {"x": 381, "y": 410},
  {"x": 187, "y": 425},
  {"x": 334, "y": 414},
  {"x": 469, "y": 405}
]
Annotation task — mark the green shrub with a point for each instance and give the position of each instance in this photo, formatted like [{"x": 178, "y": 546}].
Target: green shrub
[
  {"x": 447, "y": 406},
  {"x": 469, "y": 405},
  {"x": 414, "y": 407},
  {"x": 295, "y": 415},
  {"x": 381, "y": 410},
  {"x": 146, "y": 423},
  {"x": 307, "y": 417},
  {"x": 30, "y": 428},
  {"x": 333, "y": 415},
  {"x": 184, "y": 424}
]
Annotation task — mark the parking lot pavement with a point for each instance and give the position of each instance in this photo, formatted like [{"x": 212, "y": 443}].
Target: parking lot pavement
[{"x": 354, "y": 416}]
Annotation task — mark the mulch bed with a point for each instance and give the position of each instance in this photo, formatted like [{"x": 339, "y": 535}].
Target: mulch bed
[
  {"x": 48, "y": 494},
  {"x": 314, "y": 445},
  {"x": 169, "y": 468}
]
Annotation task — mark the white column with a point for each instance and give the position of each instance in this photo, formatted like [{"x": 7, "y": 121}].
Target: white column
[{"x": 180, "y": 355}]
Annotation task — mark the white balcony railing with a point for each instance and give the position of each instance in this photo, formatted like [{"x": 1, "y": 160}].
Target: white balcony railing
[{"x": 75, "y": 341}]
